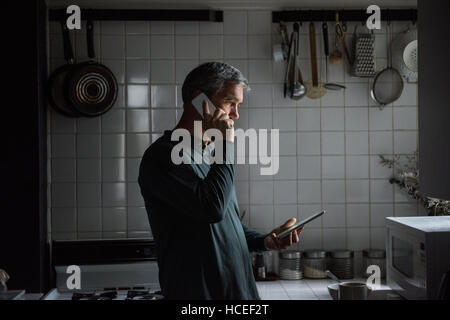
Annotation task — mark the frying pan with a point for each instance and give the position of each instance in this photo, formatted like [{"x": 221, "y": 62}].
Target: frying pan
[
  {"x": 91, "y": 87},
  {"x": 56, "y": 82}
]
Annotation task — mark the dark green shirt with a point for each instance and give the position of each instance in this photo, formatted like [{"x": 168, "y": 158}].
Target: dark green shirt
[{"x": 202, "y": 245}]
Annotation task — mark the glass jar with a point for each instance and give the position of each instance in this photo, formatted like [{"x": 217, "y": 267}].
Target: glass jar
[
  {"x": 374, "y": 257},
  {"x": 341, "y": 263},
  {"x": 290, "y": 265},
  {"x": 314, "y": 264}
]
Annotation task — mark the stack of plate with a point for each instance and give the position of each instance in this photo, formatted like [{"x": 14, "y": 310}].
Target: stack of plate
[{"x": 290, "y": 267}]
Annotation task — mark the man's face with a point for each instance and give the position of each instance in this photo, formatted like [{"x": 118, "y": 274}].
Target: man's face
[{"x": 228, "y": 99}]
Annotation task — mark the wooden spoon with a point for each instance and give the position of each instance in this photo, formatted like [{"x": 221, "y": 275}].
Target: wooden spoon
[{"x": 315, "y": 87}]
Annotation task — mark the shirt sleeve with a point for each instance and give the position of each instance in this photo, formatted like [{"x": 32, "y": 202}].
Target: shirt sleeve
[
  {"x": 205, "y": 199},
  {"x": 255, "y": 240}
]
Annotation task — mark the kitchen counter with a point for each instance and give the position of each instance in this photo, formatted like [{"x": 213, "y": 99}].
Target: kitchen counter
[{"x": 305, "y": 289}]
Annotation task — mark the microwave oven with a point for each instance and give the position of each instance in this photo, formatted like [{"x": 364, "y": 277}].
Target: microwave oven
[{"x": 417, "y": 255}]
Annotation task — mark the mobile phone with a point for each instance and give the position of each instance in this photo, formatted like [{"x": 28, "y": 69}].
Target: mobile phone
[
  {"x": 300, "y": 224},
  {"x": 197, "y": 102}
]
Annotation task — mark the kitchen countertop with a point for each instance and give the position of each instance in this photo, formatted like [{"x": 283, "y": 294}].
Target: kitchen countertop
[{"x": 305, "y": 289}]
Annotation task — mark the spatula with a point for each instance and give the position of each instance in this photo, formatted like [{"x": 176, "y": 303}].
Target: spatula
[{"x": 315, "y": 88}]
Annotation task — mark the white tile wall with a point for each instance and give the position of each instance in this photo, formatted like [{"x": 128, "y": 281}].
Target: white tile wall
[{"x": 329, "y": 146}]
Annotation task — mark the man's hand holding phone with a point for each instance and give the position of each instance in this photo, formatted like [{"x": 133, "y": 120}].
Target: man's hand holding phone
[
  {"x": 219, "y": 120},
  {"x": 272, "y": 242}
]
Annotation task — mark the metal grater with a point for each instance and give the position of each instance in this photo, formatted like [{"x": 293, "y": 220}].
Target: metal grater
[{"x": 364, "y": 46}]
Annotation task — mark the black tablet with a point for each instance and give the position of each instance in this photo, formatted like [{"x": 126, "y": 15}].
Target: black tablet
[{"x": 299, "y": 224}]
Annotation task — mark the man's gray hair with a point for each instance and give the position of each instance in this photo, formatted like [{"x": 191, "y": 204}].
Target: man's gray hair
[{"x": 210, "y": 77}]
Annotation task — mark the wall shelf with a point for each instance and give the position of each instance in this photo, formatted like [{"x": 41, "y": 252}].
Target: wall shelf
[
  {"x": 344, "y": 15},
  {"x": 144, "y": 15}
]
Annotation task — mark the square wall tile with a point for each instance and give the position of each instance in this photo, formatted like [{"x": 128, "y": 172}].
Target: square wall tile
[
  {"x": 63, "y": 170},
  {"x": 186, "y": 47},
  {"x": 358, "y": 191},
  {"x": 380, "y": 119},
  {"x": 138, "y": 96},
  {"x": 333, "y": 167},
  {"x": 309, "y": 191},
  {"x": 260, "y": 47},
  {"x": 333, "y": 98},
  {"x": 334, "y": 238},
  {"x": 113, "y": 145},
  {"x": 405, "y": 209},
  {"x": 261, "y": 217},
  {"x": 114, "y": 219},
  {"x": 162, "y": 47},
  {"x": 64, "y": 220},
  {"x": 333, "y": 119},
  {"x": 378, "y": 214},
  {"x": 211, "y": 47},
  {"x": 113, "y": 169},
  {"x": 287, "y": 168},
  {"x": 112, "y": 27},
  {"x": 113, "y": 121},
  {"x": 163, "y": 96},
  {"x": 358, "y": 238},
  {"x": 138, "y": 121},
  {"x": 62, "y": 124},
  {"x": 89, "y": 195},
  {"x": 138, "y": 71},
  {"x": 88, "y": 146},
  {"x": 113, "y": 46},
  {"x": 260, "y": 96},
  {"x": 261, "y": 192},
  {"x": 63, "y": 195},
  {"x": 89, "y": 219},
  {"x": 235, "y": 47},
  {"x": 137, "y": 144},
  {"x": 357, "y": 215},
  {"x": 260, "y": 71},
  {"x": 163, "y": 120},
  {"x": 288, "y": 144},
  {"x": 285, "y": 119},
  {"x": 333, "y": 143},
  {"x": 137, "y": 27},
  {"x": 308, "y": 143},
  {"x": 260, "y": 118},
  {"x": 377, "y": 170},
  {"x": 89, "y": 125},
  {"x": 186, "y": 27},
  {"x": 405, "y": 142},
  {"x": 138, "y": 46},
  {"x": 310, "y": 238},
  {"x": 356, "y": 95},
  {"x": 409, "y": 95},
  {"x": 356, "y": 119},
  {"x": 381, "y": 191},
  {"x": 285, "y": 192},
  {"x": 208, "y": 27},
  {"x": 183, "y": 67},
  {"x": 88, "y": 170},
  {"x": 333, "y": 191},
  {"x": 308, "y": 119},
  {"x": 309, "y": 167},
  {"x": 113, "y": 195},
  {"x": 162, "y": 27},
  {"x": 138, "y": 219},
  {"x": 235, "y": 22},
  {"x": 278, "y": 96},
  {"x": 63, "y": 146},
  {"x": 335, "y": 216},
  {"x": 357, "y": 143},
  {"x": 381, "y": 142},
  {"x": 162, "y": 71},
  {"x": 259, "y": 22},
  {"x": 405, "y": 118},
  {"x": 357, "y": 167},
  {"x": 378, "y": 238}
]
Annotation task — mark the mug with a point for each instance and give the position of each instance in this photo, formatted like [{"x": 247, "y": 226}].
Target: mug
[{"x": 353, "y": 291}]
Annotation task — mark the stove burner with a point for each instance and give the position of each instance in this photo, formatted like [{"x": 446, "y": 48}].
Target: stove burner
[{"x": 142, "y": 295}]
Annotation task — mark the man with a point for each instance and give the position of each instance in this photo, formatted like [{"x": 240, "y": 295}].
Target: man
[{"x": 202, "y": 246}]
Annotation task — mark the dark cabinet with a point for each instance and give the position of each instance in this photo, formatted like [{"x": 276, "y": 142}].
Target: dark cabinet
[{"x": 434, "y": 98}]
